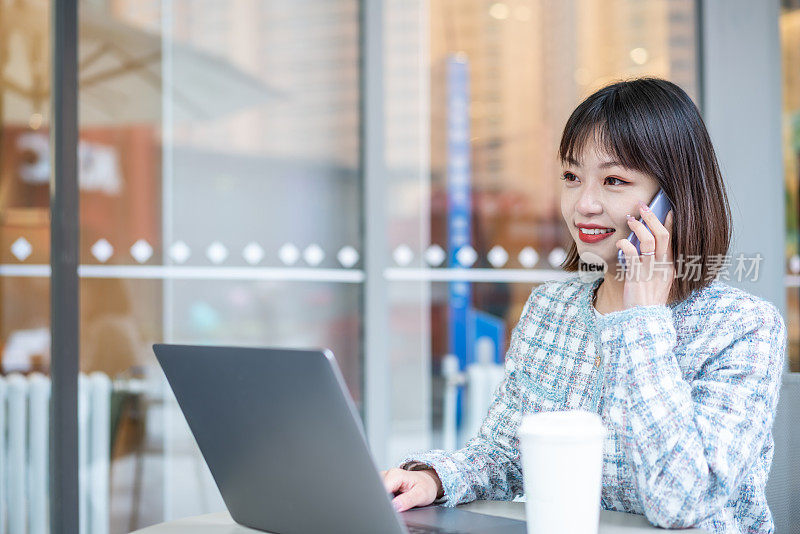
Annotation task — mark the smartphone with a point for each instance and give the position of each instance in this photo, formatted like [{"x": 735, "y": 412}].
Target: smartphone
[{"x": 660, "y": 206}]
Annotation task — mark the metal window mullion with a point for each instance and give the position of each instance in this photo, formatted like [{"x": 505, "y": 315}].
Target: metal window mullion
[
  {"x": 64, "y": 243},
  {"x": 741, "y": 82},
  {"x": 699, "y": 45},
  {"x": 375, "y": 301}
]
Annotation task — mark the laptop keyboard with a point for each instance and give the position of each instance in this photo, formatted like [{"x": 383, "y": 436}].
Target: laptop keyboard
[{"x": 423, "y": 529}]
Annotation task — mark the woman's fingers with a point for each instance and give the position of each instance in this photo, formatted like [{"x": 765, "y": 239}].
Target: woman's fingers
[
  {"x": 393, "y": 479},
  {"x": 654, "y": 254},
  {"x": 410, "y": 488},
  {"x": 653, "y": 237},
  {"x": 413, "y": 497},
  {"x": 656, "y": 233},
  {"x": 632, "y": 259},
  {"x": 647, "y": 242}
]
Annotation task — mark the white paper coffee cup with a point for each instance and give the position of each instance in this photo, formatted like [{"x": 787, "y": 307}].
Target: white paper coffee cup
[{"x": 562, "y": 465}]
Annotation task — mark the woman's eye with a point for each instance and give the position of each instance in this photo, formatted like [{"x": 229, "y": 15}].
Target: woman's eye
[{"x": 569, "y": 177}]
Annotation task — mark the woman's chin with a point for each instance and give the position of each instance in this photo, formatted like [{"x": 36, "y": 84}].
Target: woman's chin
[{"x": 594, "y": 251}]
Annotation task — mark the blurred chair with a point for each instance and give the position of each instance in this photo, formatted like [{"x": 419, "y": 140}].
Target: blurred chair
[{"x": 783, "y": 485}]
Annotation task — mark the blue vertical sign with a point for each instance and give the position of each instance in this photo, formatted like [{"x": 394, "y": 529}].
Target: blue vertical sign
[{"x": 458, "y": 200}]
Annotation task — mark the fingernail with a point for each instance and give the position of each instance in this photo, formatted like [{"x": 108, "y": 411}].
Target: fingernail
[
  {"x": 396, "y": 506},
  {"x": 628, "y": 216},
  {"x": 644, "y": 206}
]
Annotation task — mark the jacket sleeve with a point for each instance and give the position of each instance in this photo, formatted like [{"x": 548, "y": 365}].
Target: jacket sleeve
[
  {"x": 488, "y": 467},
  {"x": 691, "y": 442}
]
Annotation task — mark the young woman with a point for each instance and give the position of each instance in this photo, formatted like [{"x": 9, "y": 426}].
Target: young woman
[{"x": 683, "y": 368}]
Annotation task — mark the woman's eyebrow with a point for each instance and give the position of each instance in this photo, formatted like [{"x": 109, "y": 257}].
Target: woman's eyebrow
[
  {"x": 610, "y": 163},
  {"x": 603, "y": 165}
]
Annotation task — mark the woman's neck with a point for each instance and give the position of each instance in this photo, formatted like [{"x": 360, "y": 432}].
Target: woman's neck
[{"x": 609, "y": 294}]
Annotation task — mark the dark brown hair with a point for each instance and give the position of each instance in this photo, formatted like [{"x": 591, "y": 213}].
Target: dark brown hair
[{"x": 652, "y": 126}]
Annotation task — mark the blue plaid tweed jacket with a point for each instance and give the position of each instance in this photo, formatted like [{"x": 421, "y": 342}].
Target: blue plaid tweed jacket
[{"x": 687, "y": 392}]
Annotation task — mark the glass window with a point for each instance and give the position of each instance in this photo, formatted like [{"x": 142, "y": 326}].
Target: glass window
[
  {"x": 220, "y": 204},
  {"x": 473, "y": 233},
  {"x": 221, "y": 201},
  {"x": 24, "y": 262},
  {"x": 790, "y": 51}
]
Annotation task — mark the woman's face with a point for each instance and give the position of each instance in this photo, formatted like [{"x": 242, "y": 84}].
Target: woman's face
[{"x": 597, "y": 190}]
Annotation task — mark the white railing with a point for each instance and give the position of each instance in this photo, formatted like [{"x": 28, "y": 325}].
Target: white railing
[
  {"x": 481, "y": 379},
  {"x": 24, "y": 454}
]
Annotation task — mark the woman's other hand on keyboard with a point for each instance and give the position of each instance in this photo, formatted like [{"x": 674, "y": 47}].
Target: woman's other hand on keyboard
[{"x": 412, "y": 488}]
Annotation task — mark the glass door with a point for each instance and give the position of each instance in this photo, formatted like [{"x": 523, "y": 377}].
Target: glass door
[{"x": 220, "y": 204}]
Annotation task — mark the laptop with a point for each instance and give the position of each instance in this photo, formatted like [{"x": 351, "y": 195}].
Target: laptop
[{"x": 285, "y": 446}]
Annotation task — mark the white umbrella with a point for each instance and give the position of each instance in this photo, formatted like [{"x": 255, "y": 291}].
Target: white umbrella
[{"x": 119, "y": 72}]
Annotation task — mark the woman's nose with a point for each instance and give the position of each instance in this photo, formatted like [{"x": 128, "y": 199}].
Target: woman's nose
[{"x": 589, "y": 201}]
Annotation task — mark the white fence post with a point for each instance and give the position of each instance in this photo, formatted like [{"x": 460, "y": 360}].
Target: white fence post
[
  {"x": 17, "y": 437},
  {"x": 99, "y": 451},
  {"x": 38, "y": 453}
]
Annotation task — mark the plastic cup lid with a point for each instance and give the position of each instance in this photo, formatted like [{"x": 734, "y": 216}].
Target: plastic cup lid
[{"x": 564, "y": 424}]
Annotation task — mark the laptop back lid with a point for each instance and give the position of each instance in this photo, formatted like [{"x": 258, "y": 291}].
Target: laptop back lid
[{"x": 281, "y": 437}]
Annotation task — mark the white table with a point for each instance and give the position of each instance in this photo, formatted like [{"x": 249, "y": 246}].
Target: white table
[{"x": 221, "y": 523}]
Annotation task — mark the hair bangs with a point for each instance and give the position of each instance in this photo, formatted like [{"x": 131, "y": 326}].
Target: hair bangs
[{"x": 612, "y": 131}]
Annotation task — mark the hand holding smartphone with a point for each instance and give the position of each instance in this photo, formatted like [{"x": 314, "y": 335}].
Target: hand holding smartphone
[{"x": 660, "y": 206}]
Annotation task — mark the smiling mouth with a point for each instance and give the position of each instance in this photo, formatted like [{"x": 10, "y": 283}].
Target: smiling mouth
[
  {"x": 591, "y": 239},
  {"x": 595, "y": 231}
]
